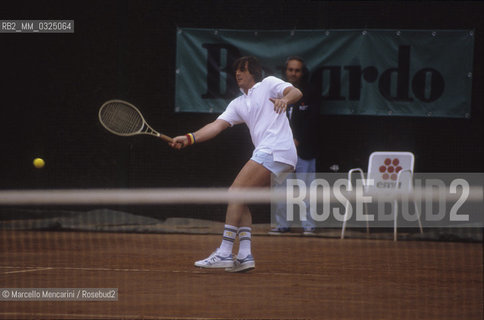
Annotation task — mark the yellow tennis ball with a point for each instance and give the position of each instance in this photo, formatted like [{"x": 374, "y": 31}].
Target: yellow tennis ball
[{"x": 39, "y": 163}]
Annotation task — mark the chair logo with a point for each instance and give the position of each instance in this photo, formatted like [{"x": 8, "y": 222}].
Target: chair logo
[{"x": 390, "y": 169}]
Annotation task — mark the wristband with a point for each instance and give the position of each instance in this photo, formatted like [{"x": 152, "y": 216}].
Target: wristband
[{"x": 191, "y": 138}]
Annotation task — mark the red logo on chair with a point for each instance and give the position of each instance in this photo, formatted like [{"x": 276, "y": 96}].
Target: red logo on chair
[{"x": 390, "y": 169}]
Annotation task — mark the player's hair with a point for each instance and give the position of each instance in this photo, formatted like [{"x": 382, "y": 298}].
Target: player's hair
[
  {"x": 253, "y": 65},
  {"x": 305, "y": 71}
]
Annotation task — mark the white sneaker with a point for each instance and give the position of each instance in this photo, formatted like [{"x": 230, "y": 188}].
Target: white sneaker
[
  {"x": 242, "y": 265},
  {"x": 309, "y": 232},
  {"x": 216, "y": 261},
  {"x": 278, "y": 231}
]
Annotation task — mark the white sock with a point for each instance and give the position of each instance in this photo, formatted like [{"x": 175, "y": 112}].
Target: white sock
[
  {"x": 230, "y": 233},
  {"x": 245, "y": 234}
]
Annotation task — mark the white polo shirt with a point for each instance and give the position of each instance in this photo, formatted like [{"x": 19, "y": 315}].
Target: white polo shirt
[{"x": 270, "y": 131}]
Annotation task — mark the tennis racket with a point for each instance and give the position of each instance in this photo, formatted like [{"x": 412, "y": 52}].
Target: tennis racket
[{"x": 124, "y": 119}]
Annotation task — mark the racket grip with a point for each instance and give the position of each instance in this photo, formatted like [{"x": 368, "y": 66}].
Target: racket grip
[{"x": 165, "y": 138}]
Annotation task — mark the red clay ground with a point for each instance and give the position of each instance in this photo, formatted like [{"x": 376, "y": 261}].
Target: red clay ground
[{"x": 295, "y": 277}]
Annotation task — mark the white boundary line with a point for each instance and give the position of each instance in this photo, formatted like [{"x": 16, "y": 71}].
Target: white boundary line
[
  {"x": 194, "y": 271},
  {"x": 29, "y": 270}
]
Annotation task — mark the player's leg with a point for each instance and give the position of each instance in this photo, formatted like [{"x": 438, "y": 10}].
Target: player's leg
[
  {"x": 238, "y": 215},
  {"x": 252, "y": 175},
  {"x": 256, "y": 173}
]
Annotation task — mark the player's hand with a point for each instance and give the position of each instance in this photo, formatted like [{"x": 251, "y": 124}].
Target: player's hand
[
  {"x": 280, "y": 105},
  {"x": 179, "y": 142}
]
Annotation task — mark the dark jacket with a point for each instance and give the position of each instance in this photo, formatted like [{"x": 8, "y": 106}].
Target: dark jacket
[{"x": 304, "y": 120}]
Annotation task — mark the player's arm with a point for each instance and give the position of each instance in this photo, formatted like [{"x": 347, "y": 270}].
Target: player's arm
[
  {"x": 290, "y": 95},
  {"x": 208, "y": 132}
]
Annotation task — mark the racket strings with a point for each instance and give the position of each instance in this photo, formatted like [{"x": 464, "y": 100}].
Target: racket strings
[{"x": 121, "y": 118}]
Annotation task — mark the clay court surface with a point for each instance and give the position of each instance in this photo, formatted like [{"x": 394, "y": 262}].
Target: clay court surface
[{"x": 295, "y": 277}]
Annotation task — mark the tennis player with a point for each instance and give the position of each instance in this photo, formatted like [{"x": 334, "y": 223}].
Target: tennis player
[{"x": 261, "y": 107}]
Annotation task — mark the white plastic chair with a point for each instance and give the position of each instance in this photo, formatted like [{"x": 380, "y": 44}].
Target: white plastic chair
[{"x": 390, "y": 172}]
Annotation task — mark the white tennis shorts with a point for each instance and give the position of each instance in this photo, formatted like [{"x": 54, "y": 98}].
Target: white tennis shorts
[{"x": 267, "y": 160}]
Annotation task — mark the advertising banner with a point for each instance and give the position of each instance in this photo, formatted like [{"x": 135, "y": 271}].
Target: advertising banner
[{"x": 417, "y": 73}]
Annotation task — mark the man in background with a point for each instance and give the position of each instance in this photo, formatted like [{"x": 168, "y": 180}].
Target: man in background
[{"x": 303, "y": 117}]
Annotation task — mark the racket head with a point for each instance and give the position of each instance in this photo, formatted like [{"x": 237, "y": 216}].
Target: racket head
[{"x": 121, "y": 118}]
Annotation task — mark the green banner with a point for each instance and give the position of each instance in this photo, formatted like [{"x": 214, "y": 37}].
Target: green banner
[{"x": 422, "y": 73}]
